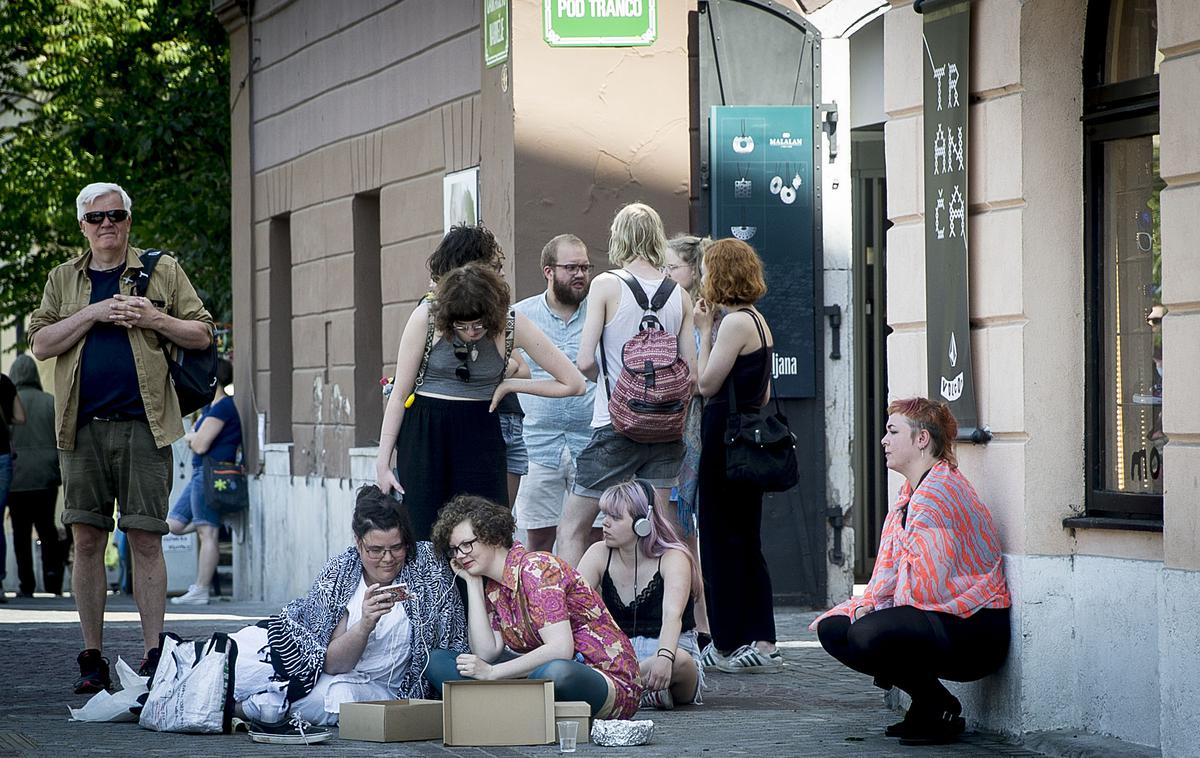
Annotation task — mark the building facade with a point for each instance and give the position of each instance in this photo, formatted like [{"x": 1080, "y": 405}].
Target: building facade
[
  {"x": 1084, "y": 174},
  {"x": 1081, "y": 208}
]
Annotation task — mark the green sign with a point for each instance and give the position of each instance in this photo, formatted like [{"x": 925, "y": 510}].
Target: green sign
[
  {"x": 495, "y": 32},
  {"x": 600, "y": 23}
]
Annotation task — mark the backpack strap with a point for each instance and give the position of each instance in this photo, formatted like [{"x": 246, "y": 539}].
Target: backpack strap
[{"x": 149, "y": 259}]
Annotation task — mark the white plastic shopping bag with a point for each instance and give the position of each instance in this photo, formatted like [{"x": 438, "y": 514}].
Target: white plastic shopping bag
[
  {"x": 193, "y": 686},
  {"x": 114, "y": 706}
]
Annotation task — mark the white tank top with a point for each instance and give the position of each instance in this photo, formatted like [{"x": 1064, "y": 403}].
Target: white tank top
[{"x": 623, "y": 326}]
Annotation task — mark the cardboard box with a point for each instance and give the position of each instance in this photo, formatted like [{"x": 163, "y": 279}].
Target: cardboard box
[
  {"x": 391, "y": 720},
  {"x": 504, "y": 712},
  {"x": 579, "y": 711}
]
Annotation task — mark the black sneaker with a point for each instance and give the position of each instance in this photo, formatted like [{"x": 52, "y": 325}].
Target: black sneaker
[
  {"x": 93, "y": 673},
  {"x": 294, "y": 731},
  {"x": 150, "y": 663},
  {"x": 941, "y": 730}
]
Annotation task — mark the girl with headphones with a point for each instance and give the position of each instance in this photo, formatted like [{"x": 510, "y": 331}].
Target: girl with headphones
[{"x": 648, "y": 579}]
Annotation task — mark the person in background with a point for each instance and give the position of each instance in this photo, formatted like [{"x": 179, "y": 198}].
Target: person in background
[
  {"x": 649, "y": 590},
  {"x": 685, "y": 254},
  {"x": 536, "y": 606},
  {"x": 556, "y": 429},
  {"x": 937, "y": 605},
  {"x": 737, "y": 585},
  {"x": 637, "y": 243},
  {"x": 34, "y": 491},
  {"x": 11, "y": 413},
  {"x": 216, "y": 436},
  {"x": 475, "y": 243},
  {"x": 449, "y": 441},
  {"x": 116, "y": 410}
]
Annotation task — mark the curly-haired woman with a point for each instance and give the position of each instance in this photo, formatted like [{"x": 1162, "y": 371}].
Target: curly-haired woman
[
  {"x": 536, "y": 605},
  {"x": 446, "y": 436}
]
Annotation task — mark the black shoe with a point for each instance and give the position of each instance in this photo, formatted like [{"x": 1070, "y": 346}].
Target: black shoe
[
  {"x": 93, "y": 673},
  {"x": 295, "y": 731},
  {"x": 150, "y": 663},
  {"x": 939, "y": 731}
]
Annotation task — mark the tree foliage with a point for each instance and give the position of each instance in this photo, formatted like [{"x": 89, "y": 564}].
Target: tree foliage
[{"x": 127, "y": 91}]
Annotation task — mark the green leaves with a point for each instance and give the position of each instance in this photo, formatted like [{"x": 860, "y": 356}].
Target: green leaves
[{"x": 128, "y": 91}]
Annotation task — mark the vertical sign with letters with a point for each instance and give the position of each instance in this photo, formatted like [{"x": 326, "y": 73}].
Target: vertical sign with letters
[
  {"x": 946, "y": 54},
  {"x": 762, "y": 192},
  {"x": 495, "y": 32}
]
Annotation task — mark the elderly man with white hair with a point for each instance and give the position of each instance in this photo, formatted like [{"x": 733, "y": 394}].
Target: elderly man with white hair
[{"x": 116, "y": 410}]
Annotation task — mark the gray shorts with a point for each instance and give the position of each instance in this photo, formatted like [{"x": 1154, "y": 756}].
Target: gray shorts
[
  {"x": 512, "y": 429},
  {"x": 611, "y": 458},
  {"x": 116, "y": 461}
]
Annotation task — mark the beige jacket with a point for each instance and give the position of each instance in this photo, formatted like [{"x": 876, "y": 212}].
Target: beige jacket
[{"x": 69, "y": 290}]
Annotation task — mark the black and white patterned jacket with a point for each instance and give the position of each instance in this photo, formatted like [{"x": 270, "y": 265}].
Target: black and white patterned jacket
[{"x": 301, "y": 632}]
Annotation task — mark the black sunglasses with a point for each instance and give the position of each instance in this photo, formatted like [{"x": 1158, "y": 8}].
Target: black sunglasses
[
  {"x": 462, "y": 352},
  {"x": 115, "y": 216}
]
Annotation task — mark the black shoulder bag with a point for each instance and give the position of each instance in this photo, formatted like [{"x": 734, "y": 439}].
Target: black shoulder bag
[
  {"x": 760, "y": 449},
  {"x": 193, "y": 372}
]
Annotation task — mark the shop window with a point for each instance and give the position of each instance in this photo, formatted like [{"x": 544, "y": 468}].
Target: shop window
[{"x": 1125, "y": 438}]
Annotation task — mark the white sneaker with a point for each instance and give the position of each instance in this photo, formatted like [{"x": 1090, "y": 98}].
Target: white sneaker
[{"x": 194, "y": 596}]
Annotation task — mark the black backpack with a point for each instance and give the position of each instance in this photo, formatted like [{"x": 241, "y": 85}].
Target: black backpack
[{"x": 193, "y": 372}]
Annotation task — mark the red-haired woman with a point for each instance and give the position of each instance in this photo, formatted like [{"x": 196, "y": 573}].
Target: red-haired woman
[
  {"x": 649, "y": 590},
  {"x": 737, "y": 587},
  {"x": 937, "y": 605}
]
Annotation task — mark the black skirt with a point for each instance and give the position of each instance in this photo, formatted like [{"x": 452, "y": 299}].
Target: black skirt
[{"x": 447, "y": 448}]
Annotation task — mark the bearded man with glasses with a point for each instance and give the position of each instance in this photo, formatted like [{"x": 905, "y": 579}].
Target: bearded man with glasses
[
  {"x": 556, "y": 429},
  {"x": 116, "y": 411}
]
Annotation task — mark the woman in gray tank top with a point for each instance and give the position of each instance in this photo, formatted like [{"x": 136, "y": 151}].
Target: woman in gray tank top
[{"x": 444, "y": 430}]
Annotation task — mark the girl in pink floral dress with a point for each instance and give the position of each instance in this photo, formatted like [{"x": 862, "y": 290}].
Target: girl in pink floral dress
[{"x": 537, "y": 606}]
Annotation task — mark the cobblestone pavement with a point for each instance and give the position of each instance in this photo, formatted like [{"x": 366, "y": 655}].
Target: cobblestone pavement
[{"x": 815, "y": 707}]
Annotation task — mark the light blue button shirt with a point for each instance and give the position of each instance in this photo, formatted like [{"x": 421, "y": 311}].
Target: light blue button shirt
[{"x": 551, "y": 423}]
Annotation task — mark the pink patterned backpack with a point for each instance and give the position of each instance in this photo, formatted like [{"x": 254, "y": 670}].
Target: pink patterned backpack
[{"x": 648, "y": 402}]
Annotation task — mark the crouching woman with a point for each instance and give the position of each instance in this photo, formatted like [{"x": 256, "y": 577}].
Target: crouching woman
[
  {"x": 539, "y": 607},
  {"x": 937, "y": 604},
  {"x": 363, "y": 631}
]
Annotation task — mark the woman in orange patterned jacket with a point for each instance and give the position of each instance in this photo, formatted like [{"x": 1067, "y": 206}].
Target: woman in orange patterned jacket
[{"x": 937, "y": 605}]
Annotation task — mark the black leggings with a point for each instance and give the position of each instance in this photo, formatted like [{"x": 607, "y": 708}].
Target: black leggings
[{"x": 912, "y": 649}]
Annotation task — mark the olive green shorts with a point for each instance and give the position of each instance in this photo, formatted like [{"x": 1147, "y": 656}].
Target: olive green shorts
[{"x": 116, "y": 462}]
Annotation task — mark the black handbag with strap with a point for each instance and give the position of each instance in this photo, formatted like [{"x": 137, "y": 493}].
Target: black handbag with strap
[
  {"x": 760, "y": 449},
  {"x": 193, "y": 372}
]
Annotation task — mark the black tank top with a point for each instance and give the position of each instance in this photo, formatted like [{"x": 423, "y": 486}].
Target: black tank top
[
  {"x": 646, "y": 607},
  {"x": 750, "y": 376}
]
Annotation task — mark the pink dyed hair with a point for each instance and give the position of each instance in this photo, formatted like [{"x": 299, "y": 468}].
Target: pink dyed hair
[{"x": 629, "y": 499}]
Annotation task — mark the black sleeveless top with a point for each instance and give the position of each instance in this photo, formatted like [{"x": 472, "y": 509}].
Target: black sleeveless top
[
  {"x": 750, "y": 376},
  {"x": 646, "y": 607}
]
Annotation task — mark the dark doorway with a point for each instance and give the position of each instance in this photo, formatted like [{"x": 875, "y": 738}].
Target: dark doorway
[
  {"x": 757, "y": 53},
  {"x": 869, "y": 202}
]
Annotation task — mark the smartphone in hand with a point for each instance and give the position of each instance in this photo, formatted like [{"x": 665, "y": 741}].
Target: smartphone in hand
[{"x": 397, "y": 591}]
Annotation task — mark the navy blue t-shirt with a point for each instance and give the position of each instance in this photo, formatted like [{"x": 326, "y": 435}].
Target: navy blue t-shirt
[
  {"x": 108, "y": 381},
  {"x": 225, "y": 446}
]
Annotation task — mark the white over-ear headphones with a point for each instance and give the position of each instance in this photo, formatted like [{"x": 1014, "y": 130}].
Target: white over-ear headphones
[{"x": 641, "y": 526}]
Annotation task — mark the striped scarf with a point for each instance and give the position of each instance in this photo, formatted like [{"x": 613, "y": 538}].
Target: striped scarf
[{"x": 939, "y": 552}]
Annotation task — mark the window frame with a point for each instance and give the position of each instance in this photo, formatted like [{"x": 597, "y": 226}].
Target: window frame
[{"x": 1121, "y": 110}]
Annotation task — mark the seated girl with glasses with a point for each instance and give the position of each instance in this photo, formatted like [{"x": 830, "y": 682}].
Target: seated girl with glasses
[
  {"x": 648, "y": 579},
  {"x": 450, "y": 376},
  {"x": 537, "y": 606},
  {"x": 363, "y": 632}
]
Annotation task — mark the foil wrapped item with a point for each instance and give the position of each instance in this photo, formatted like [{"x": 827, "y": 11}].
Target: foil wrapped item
[{"x": 615, "y": 733}]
